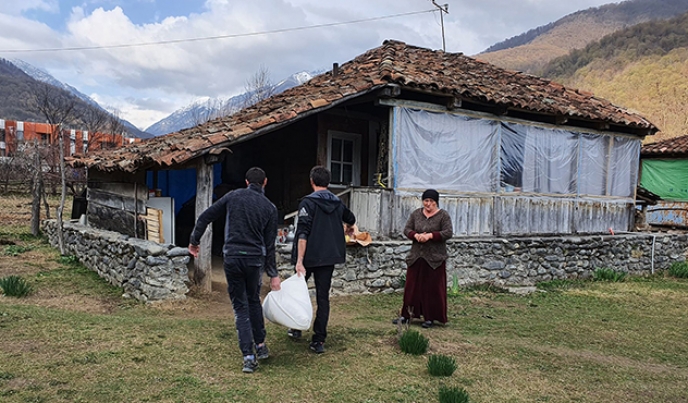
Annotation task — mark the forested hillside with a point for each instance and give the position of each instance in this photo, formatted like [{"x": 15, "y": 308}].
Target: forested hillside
[
  {"x": 532, "y": 50},
  {"x": 644, "y": 68},
  {"x": 15, "y": 91}
]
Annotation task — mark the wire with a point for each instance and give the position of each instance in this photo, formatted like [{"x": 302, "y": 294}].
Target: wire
[{"x": 276, "y": 31}]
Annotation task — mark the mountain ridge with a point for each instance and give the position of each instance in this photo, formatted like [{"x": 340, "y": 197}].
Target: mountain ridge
[{"x": 210, "y": 108}]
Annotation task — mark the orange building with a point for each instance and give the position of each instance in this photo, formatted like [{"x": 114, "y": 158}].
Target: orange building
[{"x": 14, "y": 133}]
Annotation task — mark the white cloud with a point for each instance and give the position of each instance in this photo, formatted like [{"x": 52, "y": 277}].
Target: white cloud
[
  {"x": 16, "y": 7},
  {"x": 173, "y": 74}
]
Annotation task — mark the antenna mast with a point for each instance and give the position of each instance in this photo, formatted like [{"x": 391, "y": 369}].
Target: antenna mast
[{"x": 443, "y": 9}]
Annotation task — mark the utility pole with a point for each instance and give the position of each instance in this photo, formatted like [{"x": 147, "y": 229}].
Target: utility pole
[{"x": 443, "y": 9}]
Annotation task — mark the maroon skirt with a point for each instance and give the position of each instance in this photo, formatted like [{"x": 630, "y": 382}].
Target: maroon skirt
[{"x": 425, "y": 292}]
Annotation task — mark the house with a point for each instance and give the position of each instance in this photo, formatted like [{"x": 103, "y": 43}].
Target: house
[
  {"x": 15, "y": 133},
  {"x": 511, "y": 153},
  {"x": 664, "y": 172}
]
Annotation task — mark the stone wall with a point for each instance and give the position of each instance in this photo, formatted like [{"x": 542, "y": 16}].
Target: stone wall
[
  {"x": 149, "y": 271},
  {"x": 506, "y": 261},
  {"x": 146, "y": 270}
]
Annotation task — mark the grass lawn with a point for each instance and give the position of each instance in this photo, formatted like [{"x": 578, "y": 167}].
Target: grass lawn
[{"x": 75, "y": 339}]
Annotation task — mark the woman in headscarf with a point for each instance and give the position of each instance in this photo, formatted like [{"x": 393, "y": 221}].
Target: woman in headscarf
[{"x": 425, "y": 292}]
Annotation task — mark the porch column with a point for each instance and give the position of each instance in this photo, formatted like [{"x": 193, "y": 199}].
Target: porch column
[{"x": 204, "y": 198}]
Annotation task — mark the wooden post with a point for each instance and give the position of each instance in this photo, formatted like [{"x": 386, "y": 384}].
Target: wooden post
[{"x": 204, "y": 198}]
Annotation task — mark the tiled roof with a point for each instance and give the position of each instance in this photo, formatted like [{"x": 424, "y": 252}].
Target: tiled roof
[
  {"x": 677, "y": 146},
  {"x": 392, "y": 63}
]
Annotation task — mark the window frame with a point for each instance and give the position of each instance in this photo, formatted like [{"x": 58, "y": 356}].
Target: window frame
[{"x": 356, "y": 157}]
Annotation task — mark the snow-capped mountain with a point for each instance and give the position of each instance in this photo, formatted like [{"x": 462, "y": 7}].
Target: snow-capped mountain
[
  {"x": 206, "y": 109},
  {"x": 43, "y": 76}
]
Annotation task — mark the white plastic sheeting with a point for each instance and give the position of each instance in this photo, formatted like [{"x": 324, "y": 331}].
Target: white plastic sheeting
[
  {"x": 623, "y": 175},
  {"x": 446, "y": 151},
  {"x": 548, "y": 163},
  {"x": 452, "y": 152}
]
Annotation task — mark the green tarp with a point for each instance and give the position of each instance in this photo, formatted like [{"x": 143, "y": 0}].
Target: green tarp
[{"x": 666, "y": 178}]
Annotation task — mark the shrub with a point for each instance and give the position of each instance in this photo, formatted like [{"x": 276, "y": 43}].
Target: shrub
[
  {"x": 14, "y": 286},
  {"x": 412, "y": 342},
  {"x": 455, "y": 288},
  {"x": 69, "y": 260},
  {"x": 605, "y": 274},
  {"x": 15, "y": 250},
  {"x": 441, "y": 365},
  {"x": 679, "y": 270},
  {"x": 453, "y": 395}
]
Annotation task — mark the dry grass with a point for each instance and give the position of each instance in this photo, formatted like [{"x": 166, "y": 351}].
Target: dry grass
[{"x": 76, "y": 340}]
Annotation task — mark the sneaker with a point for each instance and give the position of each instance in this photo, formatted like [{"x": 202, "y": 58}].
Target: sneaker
[
  {"x": 400, "y": 318},
  {"x": 427, "y": 324},
  {"x": 250, "y": 364},
  {"x": 262, "y": 351},
  {"x": 317, "y": 346},
  {"x": 294, "y": 334}
]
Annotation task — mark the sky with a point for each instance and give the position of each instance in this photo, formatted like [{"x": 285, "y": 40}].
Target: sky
[{"x": 111, "y": 50}]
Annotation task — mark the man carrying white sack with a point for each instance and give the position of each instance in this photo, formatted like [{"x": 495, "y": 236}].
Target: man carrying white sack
[
  {"x": 319, "y": 245},
  {"x": 251, "y": 225}
]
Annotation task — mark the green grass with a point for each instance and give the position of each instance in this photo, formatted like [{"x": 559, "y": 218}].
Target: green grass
[
  {"x": 412, "y": 342},
  {"x": 678, "y": 270},
  {"x": 76, "y": 340},
  {"x": 606, "y": 274},
  {"x": 441, "y": 365},
  {"x": 453, "y": 395},
  {"x": 15, "y": 250},
  {"x": 14, "y": 286}
]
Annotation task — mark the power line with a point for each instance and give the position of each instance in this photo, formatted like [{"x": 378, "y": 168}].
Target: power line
[{"x": 276, "y": 31}]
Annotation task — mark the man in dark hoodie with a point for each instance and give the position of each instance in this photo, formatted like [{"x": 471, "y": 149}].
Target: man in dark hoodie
[
  {"x": 320, "y": 244},
  {"x": 250, "y": 230}
]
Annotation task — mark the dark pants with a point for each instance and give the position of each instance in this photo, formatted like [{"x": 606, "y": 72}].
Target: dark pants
[
  {"x": 323, "y": 280},
  {"x": 243, "y": 285}
]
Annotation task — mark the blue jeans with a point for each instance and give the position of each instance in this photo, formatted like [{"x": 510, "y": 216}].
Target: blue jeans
[{"x": 243, "y": 285}]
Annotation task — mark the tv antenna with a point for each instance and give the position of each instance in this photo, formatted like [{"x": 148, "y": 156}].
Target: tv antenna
[{"x": 443, "y": 9}]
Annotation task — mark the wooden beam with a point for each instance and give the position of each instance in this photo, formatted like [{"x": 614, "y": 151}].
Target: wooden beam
[
  {"x": 453, "y": 103},
  {"x": 204, "y": 198}
]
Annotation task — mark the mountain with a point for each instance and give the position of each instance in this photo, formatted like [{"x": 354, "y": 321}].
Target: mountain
[
  {"x": 45, "y": 77},
  {"x": 205, "y": 109},
  {"x": 531, "y": 51},
  {"x": 643, "y": 67}
]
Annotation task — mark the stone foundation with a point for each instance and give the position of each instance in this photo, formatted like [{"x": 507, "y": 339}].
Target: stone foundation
[
  {"x": 507, "y": 262},
  {"x": 149, "y": 271},
  {"x": 146, "y": 270}
]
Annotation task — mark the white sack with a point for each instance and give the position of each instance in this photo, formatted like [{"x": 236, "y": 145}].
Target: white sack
[{"x": 291, "y": 306}]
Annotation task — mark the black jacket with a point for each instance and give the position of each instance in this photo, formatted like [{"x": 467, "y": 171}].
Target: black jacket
[
  {"x": 320, "y": 220},
  {"x": 250, "y": 227}
]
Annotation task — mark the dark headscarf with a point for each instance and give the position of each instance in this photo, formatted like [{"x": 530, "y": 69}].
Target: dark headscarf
[{"x": 431, "y": 194}]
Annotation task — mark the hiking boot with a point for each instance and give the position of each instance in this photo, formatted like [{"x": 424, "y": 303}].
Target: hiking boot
[
  {"x": 401, "y": 319},
  {"x": 317, "y": 346},
  {"x": 294, "y": 334},
  {"x": 262, "y": 351},
  {"x": 250, "y": 364}
]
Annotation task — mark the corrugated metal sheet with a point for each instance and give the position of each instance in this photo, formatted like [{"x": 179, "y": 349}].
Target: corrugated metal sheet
[
  {"x": 598, "y": 216},
  {"x": 383, "y": 212},
  {"x": 522, "y": 215},
  {"x": 674, "y": 214}
]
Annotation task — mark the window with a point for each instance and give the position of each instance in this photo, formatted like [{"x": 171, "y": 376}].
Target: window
[
  {"x": 20, "y": 131},
  {"x": 72, "y": 142},
  {"x": 344, "y": 158},
  {"x": 3, "y": 146}
]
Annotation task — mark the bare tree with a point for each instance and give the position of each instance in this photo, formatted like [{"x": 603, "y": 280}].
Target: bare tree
[
  {"x": 258, "y": 87},
  {"x": 58, "y": 109},
  {"x": 94, "y": 120}
]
